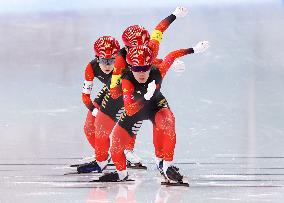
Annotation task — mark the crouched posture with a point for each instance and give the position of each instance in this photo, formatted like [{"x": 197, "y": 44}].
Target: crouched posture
[{"x": 144, "y": 101}]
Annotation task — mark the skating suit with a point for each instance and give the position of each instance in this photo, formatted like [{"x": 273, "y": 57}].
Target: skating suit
[{"x": 137, "y": 109}]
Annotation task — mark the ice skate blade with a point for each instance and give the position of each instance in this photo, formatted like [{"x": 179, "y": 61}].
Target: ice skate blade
[
  {"x": 99, "y": 181},
  {"x": 136, "y": 166},
  {"x": 167, "y": 183},
  {"x": 77, "y": 165},
  {"x": 76, "y": 173}
]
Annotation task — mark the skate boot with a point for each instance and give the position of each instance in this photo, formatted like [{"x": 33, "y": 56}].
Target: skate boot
[
  {"x": 173, "y": 174},
  {"x": 114, "y": 177},
  {"x": 90, "y": 167},
  {"x": 173, "y": 177}
]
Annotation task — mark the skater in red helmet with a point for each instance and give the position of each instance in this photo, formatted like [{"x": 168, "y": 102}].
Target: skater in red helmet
[
  {"x": 106, "y": 48},
  {"x": 143, "y": 100}
]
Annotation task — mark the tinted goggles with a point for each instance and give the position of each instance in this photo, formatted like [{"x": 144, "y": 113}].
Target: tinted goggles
[
  {"x": 140, "y": 68},
  {"x": 105, "y": 61}
]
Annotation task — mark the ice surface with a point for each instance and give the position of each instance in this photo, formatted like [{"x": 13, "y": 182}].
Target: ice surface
[{"x": 229, "y": 120}]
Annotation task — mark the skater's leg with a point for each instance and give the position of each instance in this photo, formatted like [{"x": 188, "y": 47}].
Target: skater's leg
[
  {"x": 103, "y": 128},
  {"x": 158, "y": 141},
  {"x": 120, "y": 139},
  {"x": 89, "y": 129},
  {"x": 164, "y": 134},
  {"x": 131, "y": 144},
  {"x": 165, "y": 122},
  {"x": 158, "y": 145},
  {"x": 132, "y": 158}
]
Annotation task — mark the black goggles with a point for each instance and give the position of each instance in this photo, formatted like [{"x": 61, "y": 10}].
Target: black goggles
[
  {"x": 140, "y": 68},
  {"x": 107, "y": 61}
]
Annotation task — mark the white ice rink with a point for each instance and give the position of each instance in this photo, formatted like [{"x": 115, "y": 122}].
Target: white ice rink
[{"x": 228, "y": 104}]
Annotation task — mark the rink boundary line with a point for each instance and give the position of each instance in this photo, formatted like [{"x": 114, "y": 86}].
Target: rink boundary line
[
  {"x": 234, "y": 180},
  {"x": 251, "y": 157},
  {"x": 150, "y": 163},
  {"x": 243, "y": 174},
  {"x": 190, "y": 180},
  {"x": 215, "y": 157},
  {"x": 178, "y": 163},
  {"x": 190, "y": 186},
  {"x": 32, "y": 164}
]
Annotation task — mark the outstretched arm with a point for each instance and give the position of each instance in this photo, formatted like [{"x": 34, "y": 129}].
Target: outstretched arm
[
  {"x": 157, "y": 34},
  {"x": 170, "y": 58}
]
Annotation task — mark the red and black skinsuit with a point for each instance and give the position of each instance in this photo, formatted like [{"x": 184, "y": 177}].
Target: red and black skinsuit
[
  {"x": 138, "y": 109},
  {"x": 92, "y": 71},
  {"x": 112, "y": 108}
]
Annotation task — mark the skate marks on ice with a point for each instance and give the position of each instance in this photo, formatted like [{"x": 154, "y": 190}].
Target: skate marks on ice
[
  {"x": 214, "y": 172},
  {"x": 236, "y": 172},
  {"x": 218, "y": 178}
]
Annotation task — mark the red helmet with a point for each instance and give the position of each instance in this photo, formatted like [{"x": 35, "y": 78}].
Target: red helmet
[
  {"x": 139, "y": 56},
  {"x": 135, "y": 35},
  {"x": 106, "y": 47}
]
